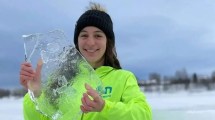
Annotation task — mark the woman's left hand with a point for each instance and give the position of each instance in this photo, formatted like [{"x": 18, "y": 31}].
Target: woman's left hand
[{"x": 95, "y": 104}]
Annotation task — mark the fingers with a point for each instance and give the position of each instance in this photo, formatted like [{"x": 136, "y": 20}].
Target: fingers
[
  {"x": 39, "y": 65},
  {"x": 25, "y": 78},
  {"x": 91, "y": 101},
  {"x": 88, "y": 101},
  {"x": 87, "y": 104},
  {"x": 88, "y": 87},
  {"x": 38, "y": 69},
  {"x": 27, "y": 67},
  {"x": 27, "y": 64},
  {"x": 93, "y": 93},
  {"x": 23, "y": 82},
  {"x": 83, "y": 109},
  {"x": 31, "y": 79},
  {"x": 26, "y": 73}
]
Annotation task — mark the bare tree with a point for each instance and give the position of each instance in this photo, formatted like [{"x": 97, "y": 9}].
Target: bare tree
[
  {"x": 213, "y": 76},
  {"x": 156, "y": 77}
]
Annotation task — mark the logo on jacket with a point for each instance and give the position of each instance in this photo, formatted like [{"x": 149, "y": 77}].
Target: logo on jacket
[{"x": 107, "y": 92}]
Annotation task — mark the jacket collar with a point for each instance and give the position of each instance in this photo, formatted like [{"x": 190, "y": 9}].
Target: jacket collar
[{"x": 103, "y": 70}]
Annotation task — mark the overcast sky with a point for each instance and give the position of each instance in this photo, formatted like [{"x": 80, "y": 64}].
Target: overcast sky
[{"x": 151, "y": 35}]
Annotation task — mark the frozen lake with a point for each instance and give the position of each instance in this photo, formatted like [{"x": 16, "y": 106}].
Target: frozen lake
[
  {"x": 166, "y": 106},
  {"x": 182, "y": 105},
  {"x": 11, "y": 109}
]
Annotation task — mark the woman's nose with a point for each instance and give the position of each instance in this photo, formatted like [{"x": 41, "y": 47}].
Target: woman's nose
[{"x": 91, "y": 41}]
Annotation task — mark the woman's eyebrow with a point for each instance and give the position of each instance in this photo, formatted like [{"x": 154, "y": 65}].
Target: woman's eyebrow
[
  {"x": 98, "y": 31},
  {"x": 83, "y": 31}
]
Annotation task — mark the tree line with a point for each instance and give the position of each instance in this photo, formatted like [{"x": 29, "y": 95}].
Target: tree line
[
  {"x": 19, "y": 92},
  {"x": 180, "y": 81}
]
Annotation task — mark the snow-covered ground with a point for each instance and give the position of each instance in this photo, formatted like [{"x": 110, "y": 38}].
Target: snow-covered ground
[
  {"x": 11, "y": 109},
  {"x": 182, "y": 105},
  {"x": 165, "y": 106}
]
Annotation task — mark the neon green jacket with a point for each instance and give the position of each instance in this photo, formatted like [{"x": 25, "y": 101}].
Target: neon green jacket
[{"x": 123, "y": 99}]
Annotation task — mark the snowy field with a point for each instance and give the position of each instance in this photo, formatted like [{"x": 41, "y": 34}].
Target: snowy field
[
  {"x": 11, "y": 109},
  {"x": 166, "y": 106},
  {"x": 182, "y": 105}
]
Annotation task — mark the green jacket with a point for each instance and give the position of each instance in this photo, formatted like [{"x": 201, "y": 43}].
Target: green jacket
[{"x": 122, "y": 95}]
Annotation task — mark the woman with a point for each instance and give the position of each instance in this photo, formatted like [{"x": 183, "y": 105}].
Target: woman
[{"x": 122, "y": 99}]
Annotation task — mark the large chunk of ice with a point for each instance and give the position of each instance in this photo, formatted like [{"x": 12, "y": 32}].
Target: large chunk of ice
[{"x": 64, "y": 73}]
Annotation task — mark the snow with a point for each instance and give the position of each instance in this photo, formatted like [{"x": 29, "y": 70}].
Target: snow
[
  {"x": 165, "y": 106},
  {"x": 182, "y": 105},
  {"x": 11, "y": 108}
]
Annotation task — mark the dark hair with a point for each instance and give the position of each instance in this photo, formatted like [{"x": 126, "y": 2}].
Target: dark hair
[{"x": 111, "y": 56}]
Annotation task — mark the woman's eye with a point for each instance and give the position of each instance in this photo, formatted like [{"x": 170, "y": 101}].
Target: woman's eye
[
  {"x": 83, "y": 35},
  {"x": 98, "y": 36}
]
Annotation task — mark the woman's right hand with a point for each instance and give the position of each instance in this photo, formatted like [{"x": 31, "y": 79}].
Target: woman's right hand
[
  {"x": 26, "y": 74},
  {"x": 29, "y": 78}
]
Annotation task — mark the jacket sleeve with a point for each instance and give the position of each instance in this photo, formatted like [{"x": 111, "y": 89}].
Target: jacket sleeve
[
  {"x": 133, "y": 105},
  {"x": 29, "y": 110}
]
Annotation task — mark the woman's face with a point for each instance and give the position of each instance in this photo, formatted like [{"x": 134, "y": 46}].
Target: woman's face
[{"x": 92, "y": 45}]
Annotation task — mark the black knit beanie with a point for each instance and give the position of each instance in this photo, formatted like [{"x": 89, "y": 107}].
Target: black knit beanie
[{"x": 95, "y": 18}]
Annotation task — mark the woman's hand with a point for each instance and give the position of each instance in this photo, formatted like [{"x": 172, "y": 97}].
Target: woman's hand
[
  {"x": 95, "y": 104},
  {"x": 29, "y": 78},
  {"x": 26, "y": 74}
]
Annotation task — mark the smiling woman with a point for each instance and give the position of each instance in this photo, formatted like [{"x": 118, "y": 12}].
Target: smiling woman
[{"x": 121, "y": 97}]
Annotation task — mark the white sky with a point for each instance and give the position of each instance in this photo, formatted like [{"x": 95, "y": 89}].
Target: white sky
[{"x": 151, "y": 35}]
